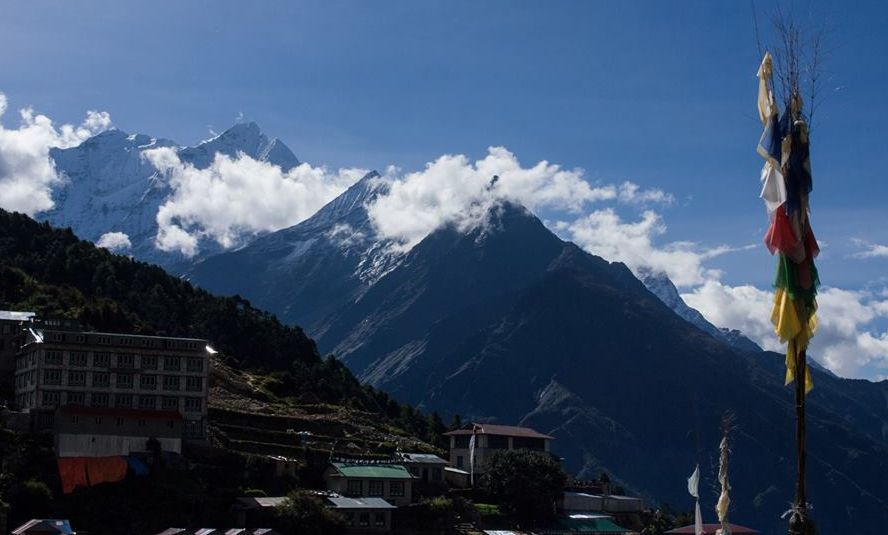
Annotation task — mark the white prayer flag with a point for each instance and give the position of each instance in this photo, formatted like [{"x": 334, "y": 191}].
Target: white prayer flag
[
  {"x": 694, "y": 483},
  {"x": 472, "y": 460}
]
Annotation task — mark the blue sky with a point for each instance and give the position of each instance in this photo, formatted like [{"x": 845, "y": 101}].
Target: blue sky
[{"x": 658, "y": 93}]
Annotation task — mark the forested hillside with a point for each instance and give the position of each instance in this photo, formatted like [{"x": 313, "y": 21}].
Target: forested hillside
[{"x": 51, "y": 272}]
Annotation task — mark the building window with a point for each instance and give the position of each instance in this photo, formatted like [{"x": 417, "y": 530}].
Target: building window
[
  {"x": 436, "y": 474},
  {"x": 171, "y": 382},
  {"x": 529, "y": 443},
  {"x": 126, "y": 341},
  {"x": 497, "y": 442},
  {"x": 374, "y": 488},
  {"x": 52, "y": 377},
  {"x": 80, "y": 338},
  {"x": 363, "y": 519},
  {"x": 149, "y": 362},
  {"x": 101, "y": 360},
  {"x": 349, "y": 519},
  {"x": 459, "y": 461},
  {"x": 104, "y": 340},
  {"x": 76, "y": 378},
  {"x": 124, "y": 380},
  {"x": 396, "y": 488},
  {"x": 354, "y": 487},
  {"x": 193, "y": 405},
  {"x": 194, "y": 384},
  {"x": 194, "y": 365},
  {"x": 148, "y": 382},
  {"x": 169, "y": 403},
  {"x": 125, "y": 360},
  {"x": 77, "y": 358},
  {"x": 461, "y": 441},
  {"x": 101, "y": 379},
  {"x": 147, "y": 402},
  {"x": 379, "y": 521},
  {"x": 123, "y": 401},
  {"x": 51, "y": 399},
  {"x": 76, "y": 398},
  {"x": 172, "y": 364},
  {"x": 99, "y": 399},
  {"x": 53, "y": 357}
]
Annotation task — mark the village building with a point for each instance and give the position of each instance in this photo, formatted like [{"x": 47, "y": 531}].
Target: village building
[
  {"x": 490, "y": 438},
  {"x": 584, "y": 502},
  {"x": 12, "y": 323},
  {"x": 425, "y": 467},
  {"x": 37, "y": 526},
  {"x": 363, "y": 514},
  {"x": 59, "y": 366},
  {"x": 250, "y": 510},
  {"x": 392, "y": 482}
]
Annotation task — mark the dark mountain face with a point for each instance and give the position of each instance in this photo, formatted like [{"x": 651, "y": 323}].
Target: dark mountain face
[{"x": 511, "y": 324}]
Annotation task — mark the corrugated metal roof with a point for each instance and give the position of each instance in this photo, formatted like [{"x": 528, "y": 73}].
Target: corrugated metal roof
[
  {"x": 422, "y": 458},
  {"x": 502, "y": 430},
  {"x": 385, "y": 471},
  {"x": 45, "y": 525},
  {"x": 360, "y": 503},
  {"x": 16, "y": 315}
]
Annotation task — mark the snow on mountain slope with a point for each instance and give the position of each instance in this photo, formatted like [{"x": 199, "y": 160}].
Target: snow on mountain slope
[
  {"x": 304, "y": 272},
  {"x": 110, "y": 187},
  {"x": 660, "y": 285}
]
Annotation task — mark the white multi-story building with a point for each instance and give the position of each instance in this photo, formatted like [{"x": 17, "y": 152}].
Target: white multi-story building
[{"x": 57, "y": 367}]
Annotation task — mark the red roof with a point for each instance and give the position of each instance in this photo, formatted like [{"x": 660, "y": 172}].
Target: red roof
[
  {"x": 710, "y": 529},
  {"x": 123, "y": 413},
  {"x": 503, "y": 430}
]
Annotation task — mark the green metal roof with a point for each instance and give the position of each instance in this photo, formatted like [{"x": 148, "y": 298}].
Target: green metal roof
[
  {"x": 388, "y": 471},
  {"x": 589, "y": 525}
]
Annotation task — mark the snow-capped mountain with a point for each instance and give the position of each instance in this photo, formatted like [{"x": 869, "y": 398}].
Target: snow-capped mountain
[{"x": 110, "y": 187}]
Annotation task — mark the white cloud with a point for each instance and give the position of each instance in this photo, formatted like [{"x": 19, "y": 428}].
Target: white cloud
[
  {"x": 455, "y": 190},
  {"x": 847, "y": 338},
  {"x": 872, "y": 250},
  {"x": 27, "y": 174},
  {"x": 604, "y": 233},
  {"x": 631, "y": 193},
  {"x": 238, "y": 197},
  {"x": 115, "y": 241}
]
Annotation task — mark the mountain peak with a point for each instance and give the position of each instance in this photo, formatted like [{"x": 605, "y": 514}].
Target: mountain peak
[{"x": 246, "y": 138}]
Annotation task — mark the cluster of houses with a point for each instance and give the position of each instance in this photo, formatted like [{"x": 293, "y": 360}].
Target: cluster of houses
[{"x": 111, "y": 399}]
